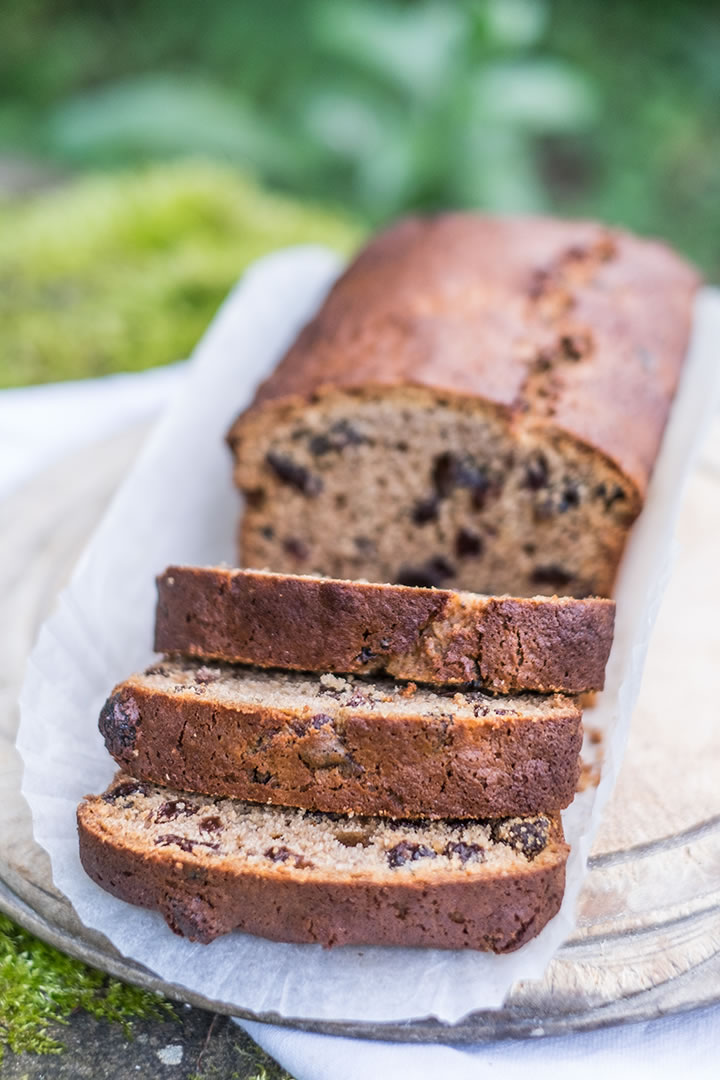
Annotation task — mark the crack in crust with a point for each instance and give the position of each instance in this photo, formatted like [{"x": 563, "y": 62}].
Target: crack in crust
[
  {"x": 479, "y": 344},
  {"x": 554, "y": 338}
]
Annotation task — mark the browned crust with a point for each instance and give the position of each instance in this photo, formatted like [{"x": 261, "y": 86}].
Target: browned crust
[
  {"x": 544, "y": 644},
  {"x": 356, "y": 760},
  {"x": 497, "y": 913},
  {"x": 465, "y": 304}
]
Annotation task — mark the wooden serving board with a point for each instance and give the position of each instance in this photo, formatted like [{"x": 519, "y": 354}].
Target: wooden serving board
[{"x": 648, "y": 939}]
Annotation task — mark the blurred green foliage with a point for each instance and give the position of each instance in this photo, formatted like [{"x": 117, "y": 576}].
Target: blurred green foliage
[
  {"x": 577, "y": 106},
  {"x": 373, "y": 104},
  {"x": 365, "y": 107}
]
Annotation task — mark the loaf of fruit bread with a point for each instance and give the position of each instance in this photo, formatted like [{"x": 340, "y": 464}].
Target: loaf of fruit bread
[
  {"x": 478, "y": 404},
  {"x": 215, "y": 865},
  {"x": 430, "y": 635},
  {"x": 346, "y": 745}
]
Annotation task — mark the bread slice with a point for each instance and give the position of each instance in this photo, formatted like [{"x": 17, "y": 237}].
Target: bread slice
[
  {"x": 215, "y": 865},
  {"x": 345, "y": 745},
  {"x": 478, "y": 405},
  {"x": 434, "y": 636}
]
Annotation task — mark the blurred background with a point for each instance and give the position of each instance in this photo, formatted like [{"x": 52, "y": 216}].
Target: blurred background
[{"x": 149, "y": 149}]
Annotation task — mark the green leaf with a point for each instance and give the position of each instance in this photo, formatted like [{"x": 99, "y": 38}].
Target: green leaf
[
  {"x": 496, "y": 172},
  {"x": 385, "y": 180},
  {"x": 538, "y": 95},
  {"x": 412, "y": 46},
  {"x": 346, "y": 124},
  {"x": 515, "y": 23},
  {"x": 160, "y": 115}
]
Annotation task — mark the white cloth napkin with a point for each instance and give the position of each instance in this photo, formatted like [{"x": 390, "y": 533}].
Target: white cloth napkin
[
  {"x": 41, "y": 424},
  {"x": 38, "y": 425},
  {"x": 680, "y": 1046}
]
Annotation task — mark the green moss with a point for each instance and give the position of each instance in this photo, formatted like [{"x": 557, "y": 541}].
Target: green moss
[
  {"x": 40, "y": 987},
  {"x": 255, "y": 1064},
  {"x": 263, "y": 1067},
  {"x": 274, "y": 1073},
  {"x": 120, "y": 273},
  {"x": 266, "y": 1070}
]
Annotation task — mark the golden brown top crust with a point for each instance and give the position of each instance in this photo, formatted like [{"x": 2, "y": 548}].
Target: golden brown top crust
[{"x": 566, "y": 325}]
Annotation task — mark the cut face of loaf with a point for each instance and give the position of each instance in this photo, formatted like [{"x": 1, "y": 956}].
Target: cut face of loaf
[
  {"x": 345, "y": 745},
  {"x": 431, "y": 635},
  {"x": 477, "y": 405},
  {"x": 429, "y": 492},
  {"x": 215, "y": 865}
]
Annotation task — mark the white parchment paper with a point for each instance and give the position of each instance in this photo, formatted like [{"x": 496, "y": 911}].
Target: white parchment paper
[{"x": 178, "y": 505}]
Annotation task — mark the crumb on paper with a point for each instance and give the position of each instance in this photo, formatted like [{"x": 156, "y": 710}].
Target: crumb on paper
[
  {"x": 334, "y": 682},
  {"x": 589, "y": 776}
]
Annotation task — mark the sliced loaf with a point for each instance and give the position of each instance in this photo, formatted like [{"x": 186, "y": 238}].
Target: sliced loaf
[
  {"x": 431, "y": 635},
  {"x": 345, "y": 745},
  {"x": 477, "y": 405},
  {"x": 215, "y": 865}
]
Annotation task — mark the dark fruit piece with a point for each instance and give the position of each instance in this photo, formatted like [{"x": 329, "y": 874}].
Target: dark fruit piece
[
  {"x": 282, "y": 854},
  {"x": 179, "y": 841},
  {"x": 426, "y": 510},
  {"x": 465, "y": 852},
  {"x": 431, "y": 575},
  {"x": 296, "y": 548},
  {"x": 527, "y": 837},
  {"x": 294, "y": 475},
  {"x": 451, "y": 472},
  {"x": 468, "y": 544},
  {"x": 211, "y": 824},
  {"x": 119, "y": 721},
  {"x": 337, "y": 438},
  {"x": 406, "y": 852},
  {"x": 125, "y": 791},
  {"x": 173, "y": 809},
  {"x": 536, "y": 473},
  {"x": 551, "y": 575}
]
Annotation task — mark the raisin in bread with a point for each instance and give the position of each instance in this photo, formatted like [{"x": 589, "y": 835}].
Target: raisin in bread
[
  {"x": 478, "y": 405},
  {"x": 215, "y": 865},
  {"x": 317, "y": 624},
  {"x": 346, "y": 745}
]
